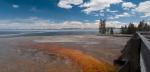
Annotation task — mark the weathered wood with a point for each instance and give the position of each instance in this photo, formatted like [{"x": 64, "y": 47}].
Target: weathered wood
[
  {"x": 136, "y": 54},
  {"x": 145, "y": 52}
]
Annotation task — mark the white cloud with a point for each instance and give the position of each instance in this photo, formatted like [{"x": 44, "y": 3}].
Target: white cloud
[
  {"x": 108, "y": 10},
  {"x": 110, "y": 23},
  {"x": 97, "y": 5},
  {"x": 128, "y": 5},
  {"x": 29, "y": 23},
  {"x": 144, "y": 7},
  {"x": 36, "y": 23},
  {"x": 78, "y": 24},
  {"x": 125, "y": 14},
  {"x": 116, "y": 24},
  {"x": 102, "y": 12},
  {"x": 67, "y": 4},
  {"x": 15, "y": 6}
]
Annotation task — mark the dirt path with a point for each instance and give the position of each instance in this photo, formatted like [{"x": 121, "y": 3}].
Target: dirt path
[{"x": 86, "y": 62}]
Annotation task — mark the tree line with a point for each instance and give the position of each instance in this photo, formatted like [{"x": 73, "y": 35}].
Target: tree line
[
  {"x": 103, "y": 29},
  {"x": 131, "y": 28}
]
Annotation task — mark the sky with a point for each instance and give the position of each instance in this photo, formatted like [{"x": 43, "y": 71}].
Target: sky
[{"x": 56, "y": 14}]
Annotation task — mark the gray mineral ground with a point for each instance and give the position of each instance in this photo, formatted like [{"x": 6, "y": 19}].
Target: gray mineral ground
[{"x": 15, "y": 57}]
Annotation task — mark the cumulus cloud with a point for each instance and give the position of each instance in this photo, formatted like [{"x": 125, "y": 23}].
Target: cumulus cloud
[
  {"x": 29, "y": 23},
  {"x": 108, "y": 10},
  {"x": 67, "y": 4},
  {"x": 15, "y": 6},
  {"x": 128, "y": 5},
  {"x": 144, "y": 7},
  {"x": 97, "y": 5},
  {"x": 116, "y": 24},
  {"x": 125, "y": 14},
  {"x": 36, "y": 23}
]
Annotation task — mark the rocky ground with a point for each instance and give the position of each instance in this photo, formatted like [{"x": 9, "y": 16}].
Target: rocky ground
[{"x": 24, "y": 54}]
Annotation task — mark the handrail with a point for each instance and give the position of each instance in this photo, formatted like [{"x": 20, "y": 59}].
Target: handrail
[
  {"x": 146, "y": 42},
  {"x": 144, "y": 52},
  {"x": 137, "y": 54}
]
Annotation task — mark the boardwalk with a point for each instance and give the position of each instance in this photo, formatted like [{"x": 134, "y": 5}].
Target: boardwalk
[{"x": 136, "y": 54}]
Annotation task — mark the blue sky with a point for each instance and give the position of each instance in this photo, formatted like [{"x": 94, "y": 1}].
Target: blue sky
[{"x": 71, "y": 13}]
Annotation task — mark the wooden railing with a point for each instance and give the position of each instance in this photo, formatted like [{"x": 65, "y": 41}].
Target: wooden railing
[
  {"x": 145, "y": 51},
  {"x": 136, "y": 54}
]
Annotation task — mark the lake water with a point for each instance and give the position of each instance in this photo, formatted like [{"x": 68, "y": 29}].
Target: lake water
[{"x": 12, "y": 33}]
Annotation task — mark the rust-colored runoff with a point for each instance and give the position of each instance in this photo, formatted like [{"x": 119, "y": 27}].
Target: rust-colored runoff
[{"x": 86, "y": 62}]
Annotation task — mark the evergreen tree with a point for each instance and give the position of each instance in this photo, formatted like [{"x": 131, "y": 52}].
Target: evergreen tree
[
  {"x": 111, "y": 31},
  {"x": 102, "y": 27},
  {"x": 141, "y": 26},
  {"x": 131, "y": 29},
  {"x": 146, "y": 27},
  {"x": 124, "y": 29}
]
